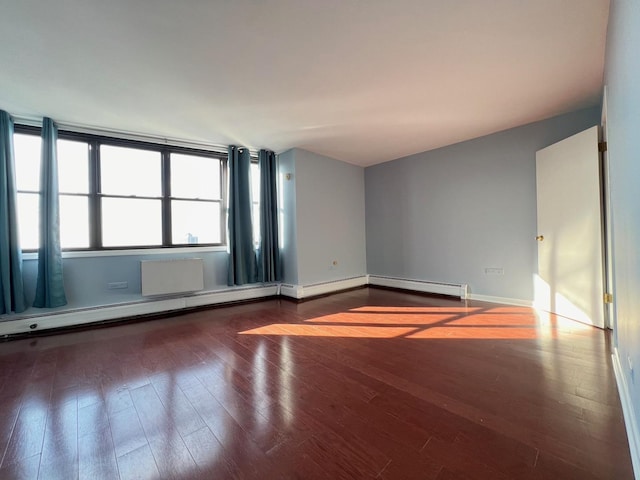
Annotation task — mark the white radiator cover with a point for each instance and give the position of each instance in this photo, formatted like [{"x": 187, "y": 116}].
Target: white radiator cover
[{"x": 165, "y": 277}]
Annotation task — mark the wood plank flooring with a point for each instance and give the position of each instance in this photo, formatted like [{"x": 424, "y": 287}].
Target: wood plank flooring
[{"x": 363, "y": 384}]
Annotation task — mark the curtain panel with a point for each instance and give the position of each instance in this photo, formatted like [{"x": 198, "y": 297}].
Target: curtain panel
[
  {"x": 50, "y": 284},
  {"x": 242, "y": 258},
  {"x": 269, "y": 267},
  {"x": 12, "y": 297}
]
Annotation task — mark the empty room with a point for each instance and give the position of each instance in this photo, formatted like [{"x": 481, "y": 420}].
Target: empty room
[{"x": 290, "y": 239}]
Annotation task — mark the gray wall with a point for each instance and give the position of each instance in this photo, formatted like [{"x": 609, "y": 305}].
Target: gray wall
[
  {"x": 623, "y": 98},
  {"x": 329, "y": 218},
  {"x": 447, "y": 214},
  {"x": 287, "y": 205},
  {"x": 86, "y": 279}
]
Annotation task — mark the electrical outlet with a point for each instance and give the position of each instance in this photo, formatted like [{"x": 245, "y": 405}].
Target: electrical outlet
[
  {"x": 117, "y": 285},
  {"x": 494, "y": 271}
]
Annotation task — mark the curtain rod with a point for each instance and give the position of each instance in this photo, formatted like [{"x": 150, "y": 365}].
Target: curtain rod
[{"x": 123, "y": 134}]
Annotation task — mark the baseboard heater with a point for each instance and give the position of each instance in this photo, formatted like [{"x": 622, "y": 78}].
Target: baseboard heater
[
  {"x": 318, "y": 289},
  {"x": 166, "y": 277},
  {"x": 453, "y": 289}
]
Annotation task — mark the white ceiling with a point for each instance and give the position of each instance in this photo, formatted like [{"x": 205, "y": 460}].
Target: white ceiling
[{"x": 363, "y": 81}]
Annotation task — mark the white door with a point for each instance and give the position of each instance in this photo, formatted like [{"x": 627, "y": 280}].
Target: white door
[{"x": 570, "y": 261}]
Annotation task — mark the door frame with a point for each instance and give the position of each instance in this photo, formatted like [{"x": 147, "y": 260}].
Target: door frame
[{"x": 607, "y": 220}]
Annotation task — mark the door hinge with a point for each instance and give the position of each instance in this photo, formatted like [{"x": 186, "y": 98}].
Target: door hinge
[
  {"x": 602, "y": 146},
  {"x": 608, "y": 298}
]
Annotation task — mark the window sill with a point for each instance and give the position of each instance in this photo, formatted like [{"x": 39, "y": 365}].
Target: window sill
[{"x": 130, "y": 252}]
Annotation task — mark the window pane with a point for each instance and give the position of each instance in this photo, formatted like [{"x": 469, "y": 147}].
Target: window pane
[
  {"x": 131, "y": 222},
  {"x": 195, "y": 222},
  {"x": 74, "y": 221},
  {"x": 73, "y": 166},
  {"x": 27, "y": 152},
  {"x": 255, "y": 207},
  {"x": 130, "y": 171},
  {"x": 28, "y": 207},
  {"x": 195, "y": 177},
  {"x": 255, "y": 182},
  {"x": 255, "y": 198}
]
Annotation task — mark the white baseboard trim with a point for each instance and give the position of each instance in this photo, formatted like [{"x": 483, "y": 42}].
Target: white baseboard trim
[
  {"x": 629, "y": 413},
  {"x": 231, "y": 295},
  {"x": 503, "y": 300},
  {"x": 82, "y": 316},
  {"x": 291, "y": 291},
  {"x": 455, "y": 290},
  {"x": 306, "y": 291}
]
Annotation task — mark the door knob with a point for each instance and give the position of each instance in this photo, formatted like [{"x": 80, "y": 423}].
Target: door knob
[{"x": 540, "y": 238}]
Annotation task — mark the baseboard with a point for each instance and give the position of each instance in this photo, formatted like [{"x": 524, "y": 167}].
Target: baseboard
[
  {"x": 231, "y": 296},
  {"x": 291, "y": 291},
  {"x": 503, "y": 300},
  {"x": 629, "y": 413},
  {"x": 86, "y": 316},
  {"x": 451, "y": 289},
  {"x": 300, "y": 292}
]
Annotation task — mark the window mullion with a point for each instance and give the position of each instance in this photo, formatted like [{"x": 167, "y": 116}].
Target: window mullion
[
  {"x": 166, "y": 199},
  {"x": 95, "y": 206}
]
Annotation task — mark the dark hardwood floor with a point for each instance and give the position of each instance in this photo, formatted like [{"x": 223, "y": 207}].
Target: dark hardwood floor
[{"x": 363, "y": 384}]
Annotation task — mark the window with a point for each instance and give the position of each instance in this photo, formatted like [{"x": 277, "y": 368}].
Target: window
[
  {"x": 27, "y": 156},
  {"x": 255, "y": 201},
  {"x": 196, "y": 194},
  {"x": 73, "y": 182},
  {"x": 131, "y": 196},
  {"x": 123, "y": 194},
  {"x": 73, "y": 186}
]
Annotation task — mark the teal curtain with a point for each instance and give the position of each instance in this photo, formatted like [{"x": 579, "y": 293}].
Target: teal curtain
[
  {"x": 242, "y": 258},
  {"x": 11, "y": 284},
  {"x": 269, "y": 269},
  {"x": 50, "y": 284}
]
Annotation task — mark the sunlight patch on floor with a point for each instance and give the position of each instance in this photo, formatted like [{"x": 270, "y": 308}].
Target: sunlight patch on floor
[
  {"x": 391, "y": 318},
  {"x": 478, "y": 333},
  {"x": 330, "y": 331},
  {"x": 382, "y": 309},
  {"x": 420, "y": 323}
]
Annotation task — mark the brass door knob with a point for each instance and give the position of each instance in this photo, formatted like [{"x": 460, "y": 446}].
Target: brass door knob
[{"x": 540, "y": 238}]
